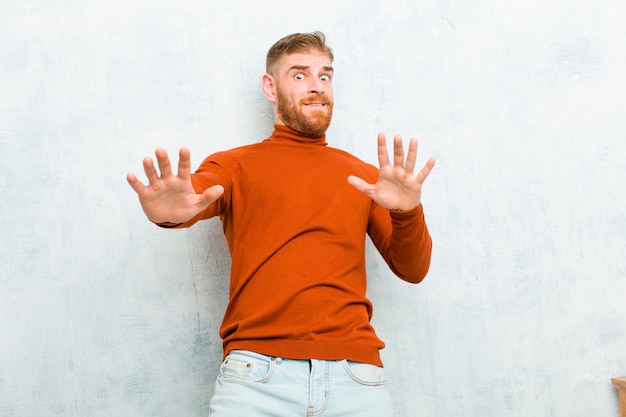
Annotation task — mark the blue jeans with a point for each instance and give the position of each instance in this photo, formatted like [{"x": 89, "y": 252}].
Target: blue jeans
[{"x": 255, "y": 385}]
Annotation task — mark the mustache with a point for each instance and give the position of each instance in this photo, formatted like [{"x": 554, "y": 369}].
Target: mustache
[{"x": 317, "y": 99}]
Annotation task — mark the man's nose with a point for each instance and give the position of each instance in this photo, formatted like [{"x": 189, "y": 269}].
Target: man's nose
[{"x": 316, "y": 86}]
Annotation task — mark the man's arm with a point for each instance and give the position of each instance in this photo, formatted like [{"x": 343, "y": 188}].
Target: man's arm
[
  {"x": 168, "y": 199},
  {"x": 403, "y": 240},
  {"x": 397, "y": 225}
]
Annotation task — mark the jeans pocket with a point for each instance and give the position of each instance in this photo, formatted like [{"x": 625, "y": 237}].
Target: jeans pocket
[
  {"x": 247, "y": 366},
  {"x": 365, "y": 373}
]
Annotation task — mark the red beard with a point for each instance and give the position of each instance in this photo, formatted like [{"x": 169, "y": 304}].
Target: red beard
[{"x": 313, "y": 125}]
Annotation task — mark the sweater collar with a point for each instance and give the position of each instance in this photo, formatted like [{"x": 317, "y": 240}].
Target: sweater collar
[{"x": 283, "y": 133}]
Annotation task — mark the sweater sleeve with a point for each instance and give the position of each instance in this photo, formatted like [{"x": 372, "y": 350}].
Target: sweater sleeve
[{"x": 403, "y": 240}]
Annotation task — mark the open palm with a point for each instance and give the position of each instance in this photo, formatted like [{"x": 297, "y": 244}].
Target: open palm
[
  {"x": 170, "y": 198},
  {"x": 397, "y": 188}
]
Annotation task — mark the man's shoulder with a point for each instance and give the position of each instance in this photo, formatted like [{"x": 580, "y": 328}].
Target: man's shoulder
[
  {"x": 233, "y": 154},
  {"x": 350, "y": 158}
]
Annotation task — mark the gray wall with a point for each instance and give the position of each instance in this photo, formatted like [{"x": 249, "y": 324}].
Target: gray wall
[{"x": 523, "y": 104}]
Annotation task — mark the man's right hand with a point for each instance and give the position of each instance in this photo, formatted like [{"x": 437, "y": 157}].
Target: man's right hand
[{"x": 168, "y": 198}]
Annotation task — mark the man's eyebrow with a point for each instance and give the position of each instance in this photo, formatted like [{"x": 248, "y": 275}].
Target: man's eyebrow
[{"x": 327, "y": 68}]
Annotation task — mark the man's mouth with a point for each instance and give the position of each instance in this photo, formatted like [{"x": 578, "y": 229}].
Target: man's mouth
[{"x": 318, "y": 102}]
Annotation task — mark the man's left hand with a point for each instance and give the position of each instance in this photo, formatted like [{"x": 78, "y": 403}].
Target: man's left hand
[{"x": 397, "y": 187}]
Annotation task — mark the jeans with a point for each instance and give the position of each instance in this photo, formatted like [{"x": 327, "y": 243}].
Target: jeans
[{"x": 255, "y": 385}]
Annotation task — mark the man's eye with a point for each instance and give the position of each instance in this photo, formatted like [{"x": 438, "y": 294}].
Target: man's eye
[
  {"x": 325, "y": 78},
  {"x": 299, "y": 76}
]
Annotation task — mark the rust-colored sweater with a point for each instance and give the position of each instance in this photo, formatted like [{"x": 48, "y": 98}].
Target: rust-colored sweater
[{"x": 296, "y": 233}]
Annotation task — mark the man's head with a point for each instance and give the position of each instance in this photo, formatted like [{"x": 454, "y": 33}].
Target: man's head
[
  {"x": 298, "y": 82},
  {"x": 297, "y": 42}
]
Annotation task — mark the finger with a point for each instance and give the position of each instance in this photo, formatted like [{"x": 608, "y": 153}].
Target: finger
[
  {"x": 360, "y": 184},
  {"x": 137, "y": 185},
  {"x": 383, "y": 155},
  {"x": 184, "y": 163},
  {"x": 164, "y": 162},
  {"x": 425, "y": 171},
  {"x": 398, "y": 151},
  {"x": 211, "y": 194},
  {"x": 411, "y": 156},
  {"x": 150, "y": 170}
]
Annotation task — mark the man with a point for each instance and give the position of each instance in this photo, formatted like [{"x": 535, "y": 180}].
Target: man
[{"x": 296, "y": 332}]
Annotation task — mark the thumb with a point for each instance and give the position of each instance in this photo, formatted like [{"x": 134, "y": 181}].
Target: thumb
[
  {"x": 360, "y": 184},
  {"x": 212, "y": 193}
]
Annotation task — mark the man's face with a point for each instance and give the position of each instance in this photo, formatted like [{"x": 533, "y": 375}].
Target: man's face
[{"x": 304, "y": 96}]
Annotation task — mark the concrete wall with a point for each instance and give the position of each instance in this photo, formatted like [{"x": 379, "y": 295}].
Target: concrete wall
[{"x": 523, "y": 104}]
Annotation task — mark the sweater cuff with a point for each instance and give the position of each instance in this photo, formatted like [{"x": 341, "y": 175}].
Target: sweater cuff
[
  {"x": 407, "y": 214},
  {"x": 167, "y": 225}
]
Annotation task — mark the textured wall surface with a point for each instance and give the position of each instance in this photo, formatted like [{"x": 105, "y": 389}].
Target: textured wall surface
[{"x": 523, "y": 312}]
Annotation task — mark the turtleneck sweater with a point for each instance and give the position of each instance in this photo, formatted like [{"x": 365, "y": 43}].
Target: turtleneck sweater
[{"x": 296, "y": 233}]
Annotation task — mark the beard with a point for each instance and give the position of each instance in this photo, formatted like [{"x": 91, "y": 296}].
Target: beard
[{"x": 312, "y": 126}]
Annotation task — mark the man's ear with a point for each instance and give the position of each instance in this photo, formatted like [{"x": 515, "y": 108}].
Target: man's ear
[{"x": 268, "y": 85}]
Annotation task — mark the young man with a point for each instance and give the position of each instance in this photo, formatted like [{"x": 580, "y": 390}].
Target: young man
[{"x": 296, "y": 332}]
